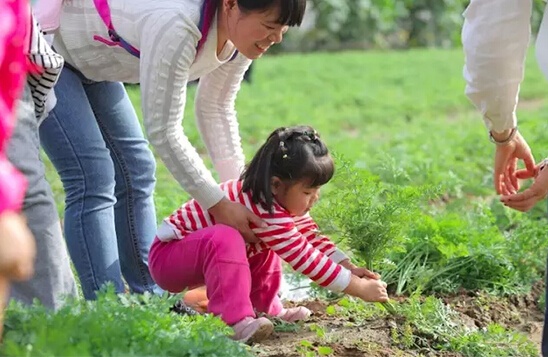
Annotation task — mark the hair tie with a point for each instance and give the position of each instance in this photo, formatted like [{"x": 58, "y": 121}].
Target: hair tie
[
  {"x": 283, "y": 149},
  {"x": 312, "y": 135}
]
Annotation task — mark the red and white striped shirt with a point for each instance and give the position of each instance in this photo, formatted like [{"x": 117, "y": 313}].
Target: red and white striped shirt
[{"x": 295, "y": 239}]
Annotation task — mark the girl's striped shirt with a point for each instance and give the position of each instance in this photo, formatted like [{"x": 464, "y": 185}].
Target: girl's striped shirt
[{"x": 296, "y": 240}]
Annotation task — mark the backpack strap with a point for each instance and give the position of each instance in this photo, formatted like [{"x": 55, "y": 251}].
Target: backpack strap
[
  {"x": 207, "y": 14},
  {"x": 115, "y": 40},
  {"x": 206, "y": 19},
  {"x": 209, "y": 8}
]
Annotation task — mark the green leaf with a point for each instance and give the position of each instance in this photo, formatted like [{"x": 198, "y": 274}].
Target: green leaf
[
  {"x": 330, "y": 310},
  {"x": 324, "y": 350}
]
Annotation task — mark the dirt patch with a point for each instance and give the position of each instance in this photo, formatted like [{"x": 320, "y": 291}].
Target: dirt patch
[
  {"x": 345, "y": 337},
  {"x": 519, "y": 313},
  {"x": 343, "y": 341}
]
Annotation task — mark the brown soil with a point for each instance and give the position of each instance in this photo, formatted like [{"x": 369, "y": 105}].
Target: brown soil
[{"x": 373, "y": 338}]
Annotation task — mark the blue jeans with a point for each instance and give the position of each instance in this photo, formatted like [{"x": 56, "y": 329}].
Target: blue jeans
[{"x": 94, "y": 140}]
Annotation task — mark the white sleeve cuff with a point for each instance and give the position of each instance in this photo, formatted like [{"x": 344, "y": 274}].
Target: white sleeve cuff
[
  {"x": 208, "y": 196},
  {"x": 341, "y": 282},
  {"x": 338, "y": 256},
  {"x": 165, "y": 232},
  {"x": 501, "y": 123}
]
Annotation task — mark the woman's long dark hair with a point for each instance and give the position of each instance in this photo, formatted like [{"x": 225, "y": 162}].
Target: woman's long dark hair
[
  {"x": 292, "y": 154},
  {"x": 291, "y": 11}
]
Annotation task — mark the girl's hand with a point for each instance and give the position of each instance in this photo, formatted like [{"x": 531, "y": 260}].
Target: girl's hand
[
  {"x": 17, "y": 247},
  {"x": 359, "y": 272},
  {"x": 527, "y": 199},
  {"x": 236, "y": 215},
  {"x": 373, "y": 290},
  {"x": 365, "y": 273},
  {"x": 370, "y": 290}
]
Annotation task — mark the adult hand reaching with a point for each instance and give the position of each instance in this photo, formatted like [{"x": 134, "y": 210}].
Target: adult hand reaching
[
  {"x": 527, "y": 199},
  {"x": 17, "y": 247},
  {"x": 236, "y": 215},
  {"x": 506, "y": 158}
]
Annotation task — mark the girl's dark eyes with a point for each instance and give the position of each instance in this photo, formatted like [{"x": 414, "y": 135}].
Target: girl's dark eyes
[{"x": 269, "y": 27}]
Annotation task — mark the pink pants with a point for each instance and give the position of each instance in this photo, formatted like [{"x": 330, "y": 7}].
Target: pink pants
[{"x": 216, "y": 256}]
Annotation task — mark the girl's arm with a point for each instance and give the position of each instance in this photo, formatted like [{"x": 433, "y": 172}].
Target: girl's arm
[
  {"x": 283, "y": 238},
  {"x": 310, "y": 230}
]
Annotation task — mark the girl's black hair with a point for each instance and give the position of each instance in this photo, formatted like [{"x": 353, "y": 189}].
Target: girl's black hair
[
  {"x": 291, "y": 11},
  {"x": 292, "y": 154}
]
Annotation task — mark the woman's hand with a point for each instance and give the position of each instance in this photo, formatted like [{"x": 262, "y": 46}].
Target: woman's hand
[
  {"x": 236, "y": 215},
  {"x": 17, "y": 247},
  {"x": 506, "y": 158},
  {"x": 527, "y": 199}
]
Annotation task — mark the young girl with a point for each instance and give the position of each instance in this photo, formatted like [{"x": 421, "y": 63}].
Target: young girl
[{"x": 280, "y": 185}]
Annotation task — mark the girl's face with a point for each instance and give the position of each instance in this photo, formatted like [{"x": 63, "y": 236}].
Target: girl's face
[
  {"x": 297, "y": 198},
  {"x": 253, "y": 32}
]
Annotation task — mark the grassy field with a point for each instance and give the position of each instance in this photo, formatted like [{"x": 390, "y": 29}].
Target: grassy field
[
  {"x": 402, "y": 117},
  {"x": 382, "y": 110}
]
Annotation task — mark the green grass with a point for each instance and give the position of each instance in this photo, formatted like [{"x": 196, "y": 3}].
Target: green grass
[
  {"x": 138, "y": 325},
  {"x": 386, "y": 111},
  {"x": 401, "y": 116}
]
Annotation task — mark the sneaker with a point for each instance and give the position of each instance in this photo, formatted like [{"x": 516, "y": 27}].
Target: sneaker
[
  {"x": 183, "y": 309},
  {"x": 251, "y": 330},
  {"x": 294, "y": 314}
]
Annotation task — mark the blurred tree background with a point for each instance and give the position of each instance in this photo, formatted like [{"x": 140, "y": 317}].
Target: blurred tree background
[{"x": 386, "y": 24}]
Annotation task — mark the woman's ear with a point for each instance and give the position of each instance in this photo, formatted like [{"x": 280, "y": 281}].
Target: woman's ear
[
  {"x": 229, "y": 4},
  {"x": 275, "y": 185}
]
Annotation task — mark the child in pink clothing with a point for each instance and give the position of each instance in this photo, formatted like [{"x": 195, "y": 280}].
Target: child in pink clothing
[
  {"x": 14, "y": 22},
  {"x": 280, "y": 185},
  {"x": 16, "y": 243}
]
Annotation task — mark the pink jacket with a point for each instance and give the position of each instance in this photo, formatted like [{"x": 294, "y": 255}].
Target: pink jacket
[{"x": 15, "y": 24}]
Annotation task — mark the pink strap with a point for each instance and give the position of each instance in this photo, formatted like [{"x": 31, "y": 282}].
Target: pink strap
[
  {"x": 209, "y": 9},
  {"x": 206, "y": 18},
  {"x": 104, "y": 11},
  {"x": 105, "y": 41},
  {"x": 115, "y": 40}
]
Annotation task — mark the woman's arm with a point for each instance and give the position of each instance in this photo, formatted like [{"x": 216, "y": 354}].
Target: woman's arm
[
  {"x": 216, "y": 116},
  {"x": 165, "y": 64},
  {"x": 495, "y": 39}
]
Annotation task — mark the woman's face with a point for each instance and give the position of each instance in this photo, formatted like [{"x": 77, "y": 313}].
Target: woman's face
[{"x": 253, "y": 32}]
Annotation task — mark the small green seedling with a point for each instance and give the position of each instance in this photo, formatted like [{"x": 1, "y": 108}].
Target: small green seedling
[{"x": 372, "y": 215}]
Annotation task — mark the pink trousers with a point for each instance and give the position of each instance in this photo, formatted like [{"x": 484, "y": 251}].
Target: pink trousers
[{"x": 216, "y": 257}]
